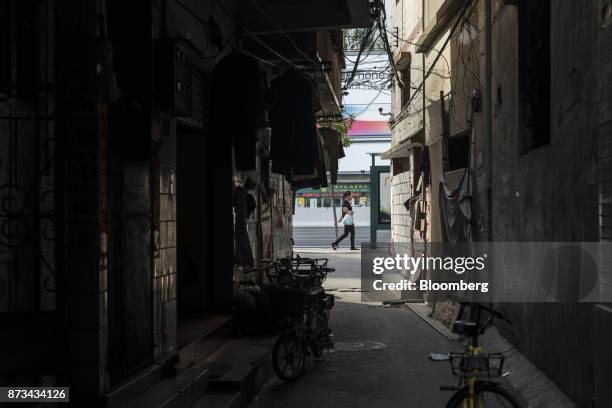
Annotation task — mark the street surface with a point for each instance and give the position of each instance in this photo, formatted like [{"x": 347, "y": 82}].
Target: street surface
[
  {"x": 381, "y": 357},
  {"x": 322, "y": 237}
]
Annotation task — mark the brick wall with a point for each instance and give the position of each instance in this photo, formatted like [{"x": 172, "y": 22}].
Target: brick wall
[
  {"x": 401, "y": 190},
  {"x": 164, "y": 255}
]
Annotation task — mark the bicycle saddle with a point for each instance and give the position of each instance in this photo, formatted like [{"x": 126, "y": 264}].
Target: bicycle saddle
[{"x": 465, "y": 327}]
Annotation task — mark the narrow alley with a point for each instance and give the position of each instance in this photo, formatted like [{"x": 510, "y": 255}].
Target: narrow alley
[
  {"x": 306, "y": 203},
  {"x": 380, "y": 356}
]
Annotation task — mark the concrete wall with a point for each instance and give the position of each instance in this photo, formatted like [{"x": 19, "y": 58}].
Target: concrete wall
[
  {"x": 558, "y": 192},
  {"x": 603, "y": 106},
  {"x": 550, "y": 194},
  {"x": 407, "y": 15}
]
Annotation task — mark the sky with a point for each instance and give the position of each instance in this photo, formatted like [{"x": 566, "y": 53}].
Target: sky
[{"x": 364, "y": 104}]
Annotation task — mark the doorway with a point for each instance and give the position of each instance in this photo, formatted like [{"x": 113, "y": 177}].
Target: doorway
[{"x": 204, "y": 232}]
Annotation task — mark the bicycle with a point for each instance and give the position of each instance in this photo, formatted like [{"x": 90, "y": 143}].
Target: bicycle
[
  {"x": 297, "y": 272},
  {"x": 476, "y": 369},
  {"x": 307, "y": 309}
]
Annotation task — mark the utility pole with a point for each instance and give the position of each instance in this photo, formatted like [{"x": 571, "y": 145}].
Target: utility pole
[{"x": 334, "y": 210}]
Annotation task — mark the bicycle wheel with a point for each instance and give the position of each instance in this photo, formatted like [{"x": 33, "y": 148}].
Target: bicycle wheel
[
  {"x": 488, "y": 395},
  {"x": 288, "y": 356},
  {"x": 319, "y": 332}
]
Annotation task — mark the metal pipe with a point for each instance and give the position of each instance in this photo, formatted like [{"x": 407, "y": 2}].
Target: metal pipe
[{"x": 488, "y": 116}]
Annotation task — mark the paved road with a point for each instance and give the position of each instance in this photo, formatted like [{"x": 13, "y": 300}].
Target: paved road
[
  {"x": 397, "y": 375},
  {"x": 322, "y": 237}
]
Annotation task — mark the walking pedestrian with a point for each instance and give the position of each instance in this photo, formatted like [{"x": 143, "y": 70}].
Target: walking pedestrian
[{"x": 347, "y": 220}]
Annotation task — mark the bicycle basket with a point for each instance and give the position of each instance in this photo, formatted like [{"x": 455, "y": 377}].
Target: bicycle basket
[{"x": 482, "y": 366}]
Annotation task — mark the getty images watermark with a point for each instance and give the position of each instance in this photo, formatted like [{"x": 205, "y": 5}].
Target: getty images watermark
[
  {"x": 412, "y": 265},
  {"x": 496, "y": 271}
]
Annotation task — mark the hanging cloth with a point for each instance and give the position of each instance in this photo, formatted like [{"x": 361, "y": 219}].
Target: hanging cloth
[
  {"x": 243, "y": 255},
  {"x": 236, "y": 100},
  {"x": 456, "y": 209},
  {"x": 293, "y": 148}
]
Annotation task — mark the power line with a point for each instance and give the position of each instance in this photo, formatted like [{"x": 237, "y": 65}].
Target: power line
[
  {"x": 253, "y": 35},
  {"x": 227, "y": 40},
  {"x": 407, "y": 41},
  {"x": 280, "y": 29},
  {"x": 364, "y": 42},
  {"x": 381, "y": 23},
  {"x": 403, "y": 113}
]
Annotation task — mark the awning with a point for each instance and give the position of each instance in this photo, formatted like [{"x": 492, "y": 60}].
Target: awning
[{"x": 403, "y": 148}]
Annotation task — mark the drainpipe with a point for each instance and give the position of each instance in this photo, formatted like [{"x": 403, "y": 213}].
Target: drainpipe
[{"x": 488, "y": 118}]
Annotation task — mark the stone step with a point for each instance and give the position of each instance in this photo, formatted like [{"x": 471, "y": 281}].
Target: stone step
[
  {"x": 179, "y": 380},
  {"x": 214, "y": 332},
  {"x": 228, "y": 399},
  {"x": 239, "y": 366},
  {"x": 139, "y": 383},
  {"x": 183, "y": 390}
]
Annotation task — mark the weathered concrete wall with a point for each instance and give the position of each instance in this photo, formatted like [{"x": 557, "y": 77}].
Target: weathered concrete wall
[
  {"x": 549, "y": 194},
  {"x": 407, "y": 16},
  {"x": 553, "y": 193},
  {"x": 601, "y": 354}
]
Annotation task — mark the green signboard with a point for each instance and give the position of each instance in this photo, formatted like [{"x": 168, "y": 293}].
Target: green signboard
[{"x": 353, "y": 187}]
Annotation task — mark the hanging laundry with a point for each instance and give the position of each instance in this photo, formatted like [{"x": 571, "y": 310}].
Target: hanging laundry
[
  {"x": 243, "y": 253},
  {"x": 341, "y": 153},
  {"x": 456, "y": 210},
  {"x": 294, "y": 143},
  {"x": 236, "y": 100}
]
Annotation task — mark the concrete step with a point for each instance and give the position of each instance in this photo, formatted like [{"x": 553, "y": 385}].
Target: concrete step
[
  {"x": 214, "y": 332},
  {"x": 139, "y": 383},
  {"x": 179, "y": 380},
  {"x": 239, "y": 366},
  {"x": 183, "y": 390},
  {"x": 228, "y": 399}
]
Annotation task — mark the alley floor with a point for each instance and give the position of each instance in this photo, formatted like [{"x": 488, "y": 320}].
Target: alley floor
[{"x": 381, "y": 357}]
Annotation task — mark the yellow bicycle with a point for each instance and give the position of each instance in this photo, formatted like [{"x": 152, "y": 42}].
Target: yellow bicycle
[{"x": 476, "y": 369}]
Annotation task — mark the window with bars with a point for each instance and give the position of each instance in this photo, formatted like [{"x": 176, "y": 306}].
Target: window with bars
[{"x": 534, "y": 74}]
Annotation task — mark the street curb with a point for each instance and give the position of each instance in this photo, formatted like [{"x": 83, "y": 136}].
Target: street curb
[
  {"x": 324, "y": 250},
  {"x": 423, "y": 311}
]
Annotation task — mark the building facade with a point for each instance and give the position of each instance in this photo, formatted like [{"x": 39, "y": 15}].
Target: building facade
[
  {"x": 136, "y": 189},
  {"x": 515, "y": 95}
]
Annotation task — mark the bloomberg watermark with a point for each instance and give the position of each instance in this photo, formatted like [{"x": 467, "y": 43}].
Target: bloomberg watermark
[{"x": 481, "y": 271}]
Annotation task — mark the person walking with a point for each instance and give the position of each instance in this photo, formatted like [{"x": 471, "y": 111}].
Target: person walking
[{"x": 347, "y": 220}]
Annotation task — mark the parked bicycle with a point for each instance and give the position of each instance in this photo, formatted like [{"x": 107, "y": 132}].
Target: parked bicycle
[
  {"x": 306, "y": 308},
  {"x": 476, "y": 369}
]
